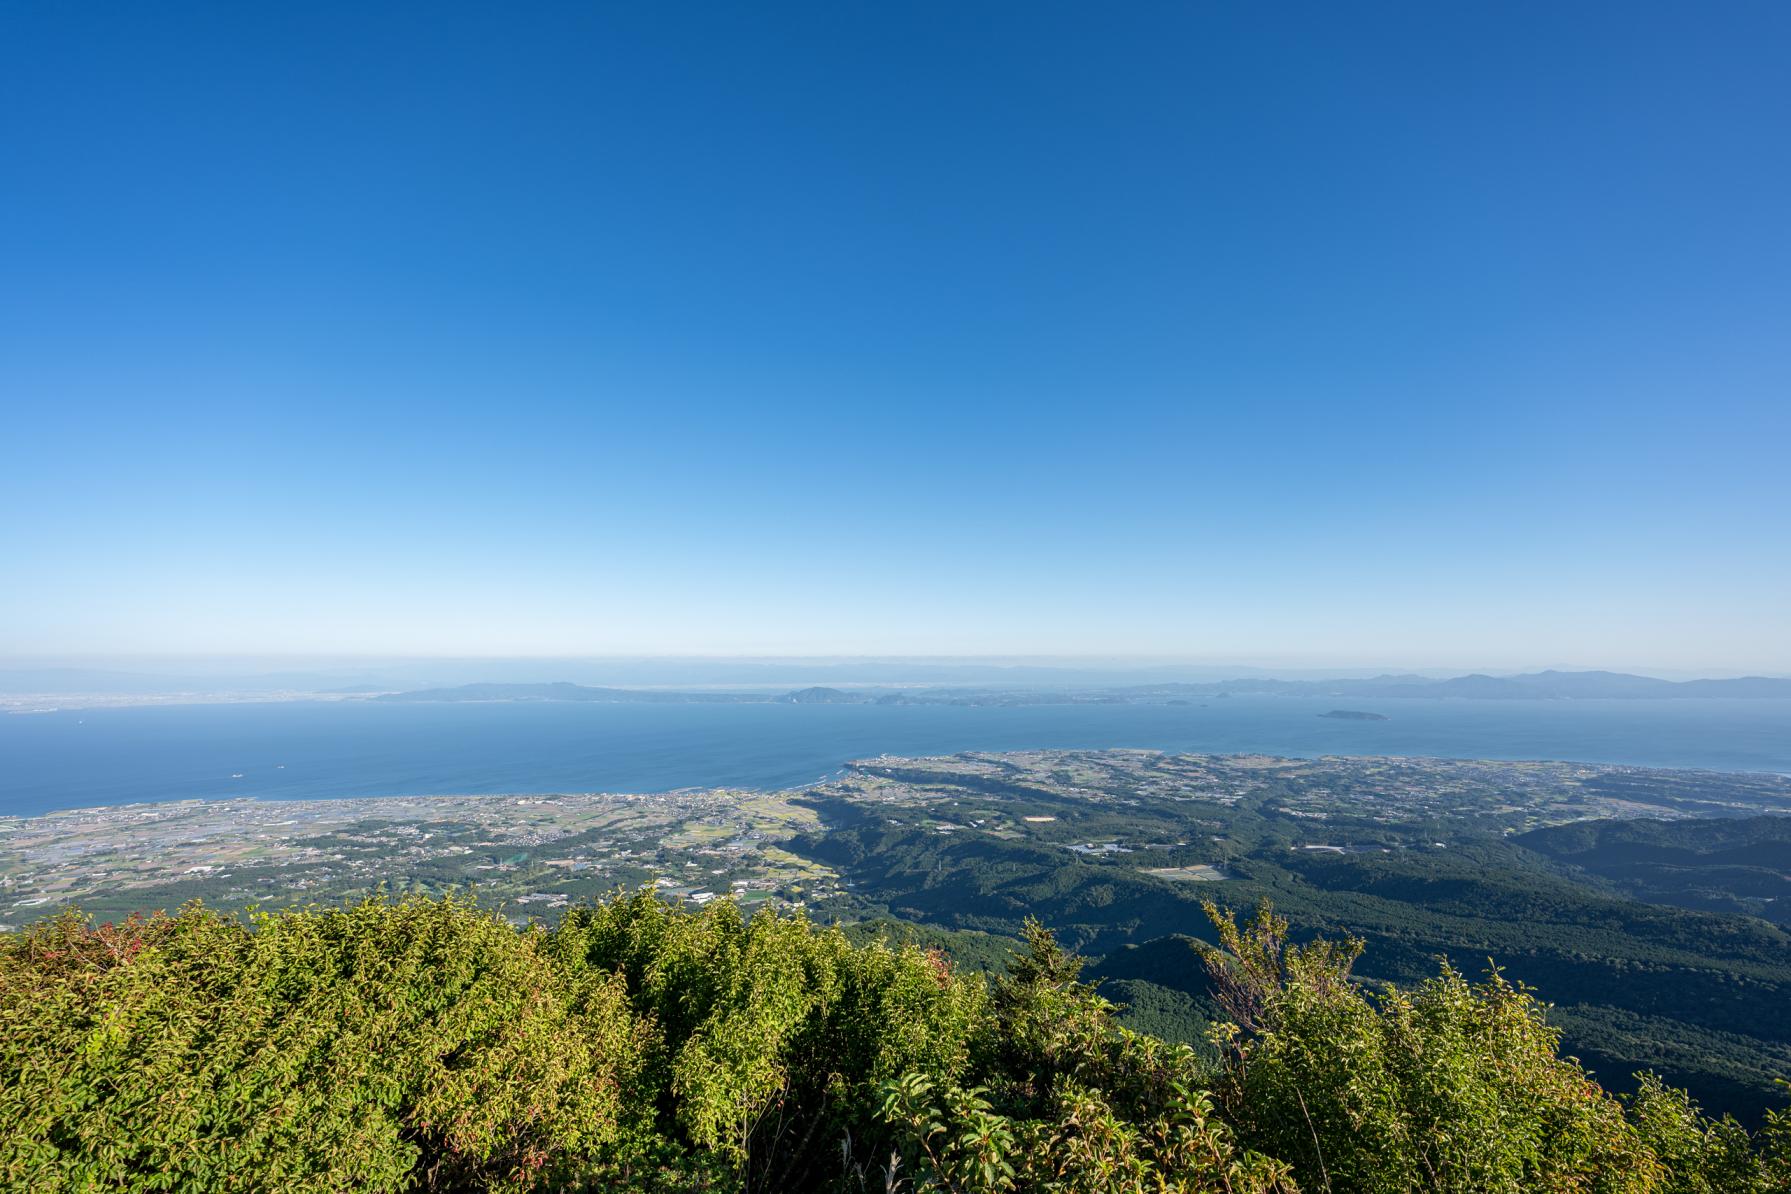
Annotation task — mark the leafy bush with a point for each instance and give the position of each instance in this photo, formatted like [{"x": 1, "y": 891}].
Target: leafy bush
[
  {"x": 769, "y": 1038},
  {"x": 1060, "y": 1097},
  {"x": 1450, "y": 1086},
  {"x": 375, "y": 1047},
  {"x": 419, "y": 1044}
]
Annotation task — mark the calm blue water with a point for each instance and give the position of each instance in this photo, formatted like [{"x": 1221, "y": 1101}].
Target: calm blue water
[{"x": 113, "y": 756}]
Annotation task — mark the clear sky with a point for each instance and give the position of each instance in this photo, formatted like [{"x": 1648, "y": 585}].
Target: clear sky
[{"x": 1417, "y": 334}]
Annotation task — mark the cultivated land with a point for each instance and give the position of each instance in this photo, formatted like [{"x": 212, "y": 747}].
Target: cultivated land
[
  {"x": 700, "y": 844},
  {"x": 1649, "y": 905},
  {"x": 534, "y": 853}
]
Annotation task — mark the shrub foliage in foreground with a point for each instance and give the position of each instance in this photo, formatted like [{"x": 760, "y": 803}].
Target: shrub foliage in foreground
[{"x": 426, "y": 1044}]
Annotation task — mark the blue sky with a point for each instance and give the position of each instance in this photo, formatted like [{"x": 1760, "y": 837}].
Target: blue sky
[{"x": 1404, "y": 334}]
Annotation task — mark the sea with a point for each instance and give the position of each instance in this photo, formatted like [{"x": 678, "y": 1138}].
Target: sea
[{"x": 81, "y": 758}]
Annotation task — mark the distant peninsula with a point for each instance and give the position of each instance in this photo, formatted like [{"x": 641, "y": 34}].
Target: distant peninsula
[
  {"x": 1551, "y": 685},
  {"x": 562, "y": 691},
  {"x": 1354, "y": 715}
]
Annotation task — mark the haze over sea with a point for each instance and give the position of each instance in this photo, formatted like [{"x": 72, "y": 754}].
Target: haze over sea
[{"x": 312, "y": 750}]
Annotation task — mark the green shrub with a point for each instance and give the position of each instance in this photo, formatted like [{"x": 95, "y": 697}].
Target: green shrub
[
  {"x": 770, "y": 1038},
  {"x": 418, "y": 1044},
  {"x": 1064, "y": 1099},
  {"x": 1449, "y": 1086},
  {"x": 376, "y": 1047}
]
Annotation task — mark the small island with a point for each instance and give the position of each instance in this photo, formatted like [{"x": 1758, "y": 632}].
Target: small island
[{"x": 1354, "y": 715}]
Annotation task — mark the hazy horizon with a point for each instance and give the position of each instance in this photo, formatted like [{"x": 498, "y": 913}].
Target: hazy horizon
[{"x": 149, "y": 674}]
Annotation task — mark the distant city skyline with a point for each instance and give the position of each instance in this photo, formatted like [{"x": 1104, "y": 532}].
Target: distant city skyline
[{"x": 1397, "y": 337}]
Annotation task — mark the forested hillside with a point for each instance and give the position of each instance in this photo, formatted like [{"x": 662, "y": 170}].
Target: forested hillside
[
  {"x": 1645, "y": 934},
  {"x": 428, "y": 1044},
  {"x": 1740, "y": 864}
]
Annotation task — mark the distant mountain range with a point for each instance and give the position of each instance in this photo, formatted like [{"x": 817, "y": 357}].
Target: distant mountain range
[
  {"x": 1550, "y": 685},
  {"x": 563, "y": 691}
]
